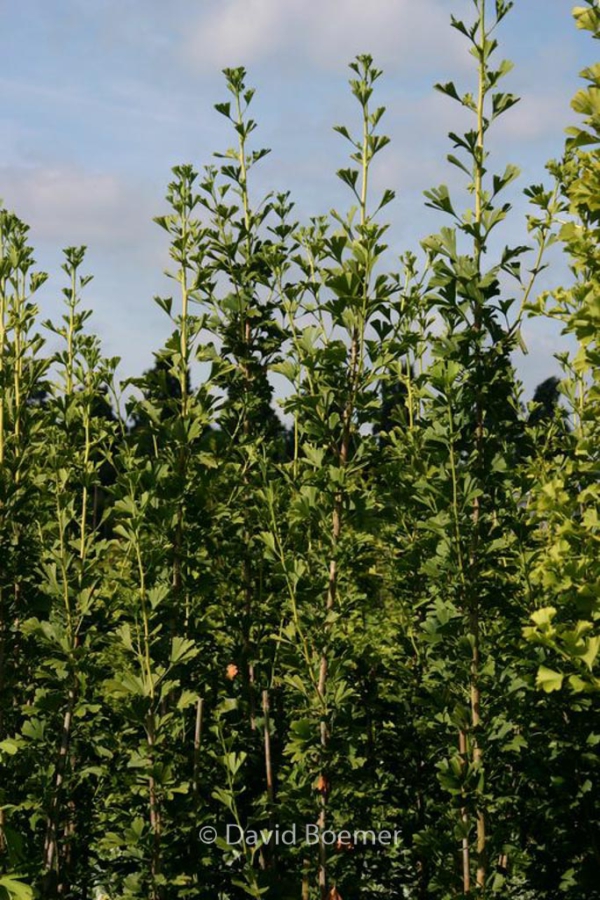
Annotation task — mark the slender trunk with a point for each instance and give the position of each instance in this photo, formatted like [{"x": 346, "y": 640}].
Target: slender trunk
[
  {"x": 247, "y": 576},
  {"x": 95, "y": 508},
  {"x": 475, "y": 637},
  {"x": 336, "y": 530},
  {"x": 246, "y": 334},
  {"x": 355, "y": 366},
  {"x": 267, "y": 738},
  {"x": 269, "y": 769},
  {"x": 464, "y": 814},
  {"x": 51, "y": 860},
  {"x": 306, "y": 881},
  {"x": 474, "y": 613},
  {"x": 176, "y": 574},
  {"x": 247, "y": 638},
  {"x": 322, "y": 685},
  {"x": 67, "y": 849},
  {"x": 474, "y": 674},
  {"x": 155, "y": 815},
  {"x": 182, "y": 455},
  {"x": 332, "y": 585},
  {"x": 197, "y": 743},
  {"x": 477, "y": 752}
]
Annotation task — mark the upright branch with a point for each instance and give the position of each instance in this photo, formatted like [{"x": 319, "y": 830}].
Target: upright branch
[
  {"x": 468, "y": 291},
  {"x": 354, "y": 252},
  {"x": 21, "y": 382},
  {"x": 244, "y": 323},
  {"x": 72, "y": 542},
  {"x": 185, "y": 421}
]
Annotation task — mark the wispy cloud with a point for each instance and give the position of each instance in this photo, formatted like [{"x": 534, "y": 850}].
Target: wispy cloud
[
  {"x": 67, "y": 206},
  {"x": 127, "y": 99},
  {"x": 325, "y": 33},
  {"x": 537, "y": 115}
]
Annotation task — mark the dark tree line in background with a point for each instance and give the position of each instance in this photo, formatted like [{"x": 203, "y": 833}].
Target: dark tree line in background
[
  {"x": 158, "y": 385},
  {"x": 380, "y": 615}
]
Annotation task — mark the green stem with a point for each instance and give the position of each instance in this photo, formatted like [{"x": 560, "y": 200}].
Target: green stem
[{"x": 473, "y": 604}]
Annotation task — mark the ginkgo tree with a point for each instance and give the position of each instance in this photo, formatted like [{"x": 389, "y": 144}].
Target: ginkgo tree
[{"x": 377, "y": 614}]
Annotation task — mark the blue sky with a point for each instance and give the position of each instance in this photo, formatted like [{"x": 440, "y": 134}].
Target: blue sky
[{"x": 100, "y": 98}]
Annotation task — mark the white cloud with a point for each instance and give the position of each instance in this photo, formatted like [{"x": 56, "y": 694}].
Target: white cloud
[
  {"x": 67, "y": 206},
  {"x": 127, "y": 252},
  {"x": 241, "y": 30},
  {"x": 325, "y": 33},
  {"x": 537, "y": 115}
]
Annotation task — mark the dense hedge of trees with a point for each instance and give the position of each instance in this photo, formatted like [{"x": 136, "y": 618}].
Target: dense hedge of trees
[{"x": 382, "y": 616}]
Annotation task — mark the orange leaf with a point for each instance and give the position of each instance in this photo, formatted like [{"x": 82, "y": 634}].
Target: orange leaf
[
  {"x": 322, "y": 785},
  {"x": 344, "y": 844}
]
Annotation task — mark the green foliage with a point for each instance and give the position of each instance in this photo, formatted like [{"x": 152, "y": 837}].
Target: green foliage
[
  {"x": 383, "y": 616},
  {"x": 565, "y": 568}
]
